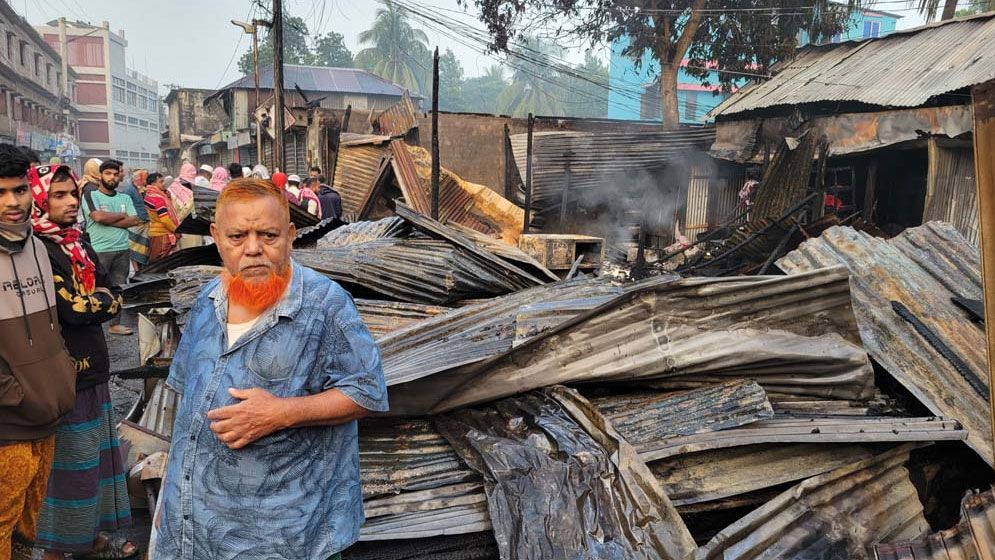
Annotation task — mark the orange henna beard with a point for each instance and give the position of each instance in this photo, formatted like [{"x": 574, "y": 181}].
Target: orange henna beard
[{"x": 259, "y": 295}]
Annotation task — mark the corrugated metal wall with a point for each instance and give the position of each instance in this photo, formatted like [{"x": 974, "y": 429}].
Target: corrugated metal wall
[
  {"x": 951, "y": 195},
  {"x": 696, "y": 215}
]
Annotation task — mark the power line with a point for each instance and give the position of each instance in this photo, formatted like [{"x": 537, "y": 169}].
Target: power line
[{"x": 234, "y": 53}]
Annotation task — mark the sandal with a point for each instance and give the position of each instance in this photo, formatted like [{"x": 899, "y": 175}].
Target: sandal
[{"x": 114, "y": 550}]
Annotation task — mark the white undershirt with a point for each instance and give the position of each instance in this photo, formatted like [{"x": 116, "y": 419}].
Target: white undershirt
[{"x": 236, "y": 330}]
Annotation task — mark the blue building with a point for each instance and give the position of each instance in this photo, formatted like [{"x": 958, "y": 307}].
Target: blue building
[{"x": 634, "y": 93}]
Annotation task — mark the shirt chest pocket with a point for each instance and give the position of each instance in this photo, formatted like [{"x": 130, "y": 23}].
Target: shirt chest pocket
[{"x": 275, "y": 356}]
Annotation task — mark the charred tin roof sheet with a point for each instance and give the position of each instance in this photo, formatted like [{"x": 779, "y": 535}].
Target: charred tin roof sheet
[
  {"x": 903, "y": 69},
  {"x": 922, "y": 269}
]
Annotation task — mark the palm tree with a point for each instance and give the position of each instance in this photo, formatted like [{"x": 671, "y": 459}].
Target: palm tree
[
  {"x": 533, "y": 87},
  {"x": 928, "y": 8},
  {"x": 398, "y": 52}
]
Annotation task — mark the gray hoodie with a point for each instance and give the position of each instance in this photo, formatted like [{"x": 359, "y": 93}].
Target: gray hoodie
[{"x": 37, "y": 376}]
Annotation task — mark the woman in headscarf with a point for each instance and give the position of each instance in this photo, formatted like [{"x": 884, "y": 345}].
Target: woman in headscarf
[
  {"x": 219, "y": 179},
  {"x": 87, "y": 489},
  {"x": 181, "y": 190},
  {"x": 162, "y": 218},
  {"x": 260, "y": 171},
  {"x": 91, "y": 174}
]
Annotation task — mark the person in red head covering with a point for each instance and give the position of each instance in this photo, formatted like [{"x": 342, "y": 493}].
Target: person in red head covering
[{"x": 87, "y": 491}]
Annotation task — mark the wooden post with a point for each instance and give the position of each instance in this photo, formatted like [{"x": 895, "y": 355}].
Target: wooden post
[
  {"x": 509, "y": 161},
  {"x": 528, "y": 175},
  {"x": 984, "y": 166},
  {"x": 337, "y": 145},
  {"x": 435, "y": 135},
  {"x": 278, "y": 162},
  {"x": 870, "y": 190}
]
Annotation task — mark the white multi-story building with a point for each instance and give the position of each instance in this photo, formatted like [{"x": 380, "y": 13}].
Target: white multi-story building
[{"x": 118, "y": 107}]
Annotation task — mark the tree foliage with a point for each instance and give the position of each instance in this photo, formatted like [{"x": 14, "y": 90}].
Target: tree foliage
[
  {"x": 480, "y": 94},
  {"x": 397, "y": 51},
  {"x": 295, "y": 46},
  {"x": 328, "y": 50},
  {"x": 530, "y": 90},
  {"x": 740, "y": 37},
  {"x": 450, "y": 83}
]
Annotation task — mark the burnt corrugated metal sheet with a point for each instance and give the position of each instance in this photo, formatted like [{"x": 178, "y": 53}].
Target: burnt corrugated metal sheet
[
  {"x": 361, "y": 232},
  {"x": 601, "y": 160},
  {"x": 205, "y": 203},
  {"x": 972, "y": 539},
  {"x": 903, "y": 69},
  {"x": 415, "y": 485},
  {"x": 793, "y": 335},
  {"x": 385, "y": 317},
  {"x": 357, "y": 168},
  {"x": 922, "y": 269},
  {"x": 834, "y": 515},
  {"x": 713, "y": 475},
  {"x": 399, "y": 118},
  {"x": 651, "y": 418},
  {"x": 406, "y": 175},
  {"x": 421, "y": 362},
  {"x": 834, "y": 429},
  {"x": 951, "y": 195},
  {"x": 415, "y": 271}
]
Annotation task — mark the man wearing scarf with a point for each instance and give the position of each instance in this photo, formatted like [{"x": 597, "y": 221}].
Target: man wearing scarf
[
  {"x": 36, "y": 373},
  {"x": 87, "y": 491}
]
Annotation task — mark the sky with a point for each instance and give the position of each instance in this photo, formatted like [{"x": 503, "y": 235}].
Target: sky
[{"x": 191, "y": 43}]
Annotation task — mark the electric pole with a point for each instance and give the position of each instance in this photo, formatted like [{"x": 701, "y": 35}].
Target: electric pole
[
  {"x": 278, "y": 86},
  {"x": 435, "y": 135}
]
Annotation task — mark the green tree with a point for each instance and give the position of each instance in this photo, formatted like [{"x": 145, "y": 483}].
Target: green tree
[
  {"x": 534, "y": 87},
  {"x": 480, "y": 93},
  {"x": 330, "y": 50},
  {"x": 295, "y": 47},
  {"x": 398, "y": 52},
  {"x": 587, "y": 88},
  {"x": 450, "y": 83},
  {"x": 976, "y": 7},
  {"x": 740, "y": 37}
]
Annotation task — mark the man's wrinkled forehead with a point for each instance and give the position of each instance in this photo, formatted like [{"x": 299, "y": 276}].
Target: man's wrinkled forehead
[{"x": 258, "y": 213}]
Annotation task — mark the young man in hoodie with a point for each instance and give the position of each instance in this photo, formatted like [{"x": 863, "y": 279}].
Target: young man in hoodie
[
  {"x": 37, "y": 376},
  {"x": 87, "y": 492}
]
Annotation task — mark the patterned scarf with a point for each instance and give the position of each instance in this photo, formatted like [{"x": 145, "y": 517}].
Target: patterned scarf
[{"x": 40, "y": 179}]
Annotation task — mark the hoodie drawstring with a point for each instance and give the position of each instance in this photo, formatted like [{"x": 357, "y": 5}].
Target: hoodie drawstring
[
  {"x": 20, "y": 294},
  {"x": 44, "y": 290}
]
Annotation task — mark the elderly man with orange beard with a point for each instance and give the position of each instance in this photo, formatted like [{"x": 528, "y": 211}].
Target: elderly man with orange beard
[{"x": 274, "y": 368}]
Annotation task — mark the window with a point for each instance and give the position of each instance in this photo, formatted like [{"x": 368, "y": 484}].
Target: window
[
  {"x": 37, "y": 65},
  {"x": 48, "y": 74},
  {"x": 10, "y": 45},
  {"x": 132, "y": 121},
  {"x": 119, "y": 118},
  {"x": 118, "y": 82},
  {"x": 121, "y": 153},
  {"x": 132, "y": 87},
  {"x": 132, "y": 99},
  {"x": 133, "y": 154},
  {"x": 119, "y": 94},
  {"x": 690, "y": 105},
  {"x": 872, "y": 29},
  {"x": 24, "y": 53},
  {"x": 143, "y": 102},
  {"x": 58, "y": 77},
  {"x": 143, "y": 124}
]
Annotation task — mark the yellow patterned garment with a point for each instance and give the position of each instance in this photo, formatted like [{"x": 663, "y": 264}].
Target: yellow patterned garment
[{"x": 24, "y": 468}]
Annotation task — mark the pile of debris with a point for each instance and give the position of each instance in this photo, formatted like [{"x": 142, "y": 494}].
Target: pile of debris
[{"x": 787, "y": 416}]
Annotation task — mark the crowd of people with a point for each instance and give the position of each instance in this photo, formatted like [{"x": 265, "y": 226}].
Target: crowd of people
[{"x": 67, "y": 245}]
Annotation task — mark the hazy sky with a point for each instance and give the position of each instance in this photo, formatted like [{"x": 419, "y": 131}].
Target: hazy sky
[{"x": 191, "y": 42}]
